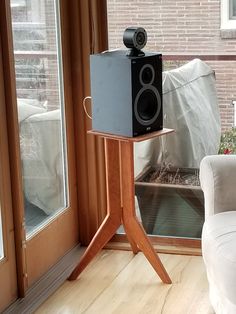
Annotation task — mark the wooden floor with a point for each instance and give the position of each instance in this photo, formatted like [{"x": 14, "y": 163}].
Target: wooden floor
[{"x": 120, "y": 282}]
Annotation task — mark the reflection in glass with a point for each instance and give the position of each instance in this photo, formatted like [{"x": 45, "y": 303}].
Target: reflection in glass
[{"x": 39, "y": 83}]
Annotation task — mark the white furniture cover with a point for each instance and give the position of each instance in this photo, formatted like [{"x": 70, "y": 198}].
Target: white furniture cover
[
  {"x": 190, "y": 107},
  {"x": 218, "y": 181},
  {"x": 42, "y": 156}
]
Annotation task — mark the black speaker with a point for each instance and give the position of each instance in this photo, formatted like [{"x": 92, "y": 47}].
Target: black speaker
[{"x": 126, "y": 93}]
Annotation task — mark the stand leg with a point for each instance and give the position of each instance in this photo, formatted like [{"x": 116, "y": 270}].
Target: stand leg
[
  {"x": 103, "y": 235},
  {"x": 132, "y": 242},
  {"x": 133, "y": 245},
  {"x": 134, "y": 229},
  {"x": 114, "y": 210}
]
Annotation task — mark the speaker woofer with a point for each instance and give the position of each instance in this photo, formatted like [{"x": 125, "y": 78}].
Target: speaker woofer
[{"x": 147, "y": 105}]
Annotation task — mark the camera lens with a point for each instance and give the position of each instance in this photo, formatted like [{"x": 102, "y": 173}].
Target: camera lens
[{"x": 140, "y": 38}]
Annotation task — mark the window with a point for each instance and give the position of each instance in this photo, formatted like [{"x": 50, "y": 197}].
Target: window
[
  {"x": 178, "y": 29},
  {"x": 40, "y": 100},
  {"x": 232, "y": 10},
  {"x": 228, "y": 14}
]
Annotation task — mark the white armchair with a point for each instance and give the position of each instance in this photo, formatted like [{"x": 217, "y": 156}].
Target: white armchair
[{"x": 218, "y": 182}]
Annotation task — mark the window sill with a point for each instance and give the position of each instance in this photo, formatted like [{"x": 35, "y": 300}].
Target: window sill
[{"x": 228, "y": 33}]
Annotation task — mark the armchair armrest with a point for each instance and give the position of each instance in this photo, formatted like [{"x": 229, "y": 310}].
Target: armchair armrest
[{"x": 218, "y": 182}]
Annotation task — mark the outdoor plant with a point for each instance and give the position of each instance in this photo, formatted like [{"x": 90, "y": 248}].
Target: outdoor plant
[
  {"x": 228, "y": 142},
  {"x": 167, "y": 174}
]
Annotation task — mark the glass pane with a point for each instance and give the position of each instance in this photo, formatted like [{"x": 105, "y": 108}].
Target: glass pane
[
  {"x": 169, "y": 197},
  {"x": 232, "y": 9},
  {"x": 40, "y": 100},
  {"x": 1, "y": 238}
]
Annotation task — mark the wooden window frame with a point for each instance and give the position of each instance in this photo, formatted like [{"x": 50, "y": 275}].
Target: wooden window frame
[{"x": 88, "y": 34}]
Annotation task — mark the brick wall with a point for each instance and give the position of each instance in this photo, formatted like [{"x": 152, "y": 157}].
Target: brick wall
[
  {"x": 37, "y": 77},
  {"x": 181, "y": 27},
  {"x": 53, "y": 87}
]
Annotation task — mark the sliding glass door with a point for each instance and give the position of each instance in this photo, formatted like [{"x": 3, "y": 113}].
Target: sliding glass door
[
  {"x": 48, "y": 169},
  {"x": 52, "y": 160}
]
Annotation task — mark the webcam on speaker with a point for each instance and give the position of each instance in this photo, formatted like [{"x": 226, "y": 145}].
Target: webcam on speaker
[{"x": 135, "y": 38}]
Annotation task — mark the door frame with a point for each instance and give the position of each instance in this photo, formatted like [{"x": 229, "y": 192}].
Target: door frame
[
  {"x": 8, "y": 282},
  {"x": 13, "y": 145},
  {"x": 27, "y": 251}
]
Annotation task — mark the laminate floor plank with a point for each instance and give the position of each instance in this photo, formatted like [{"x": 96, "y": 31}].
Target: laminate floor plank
[
  {"x": 76, "y": 296},
  {"x": 122, "y": 283}
]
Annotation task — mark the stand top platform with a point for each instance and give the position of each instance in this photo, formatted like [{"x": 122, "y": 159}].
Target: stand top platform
[{"x": 139, "y": 138}]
